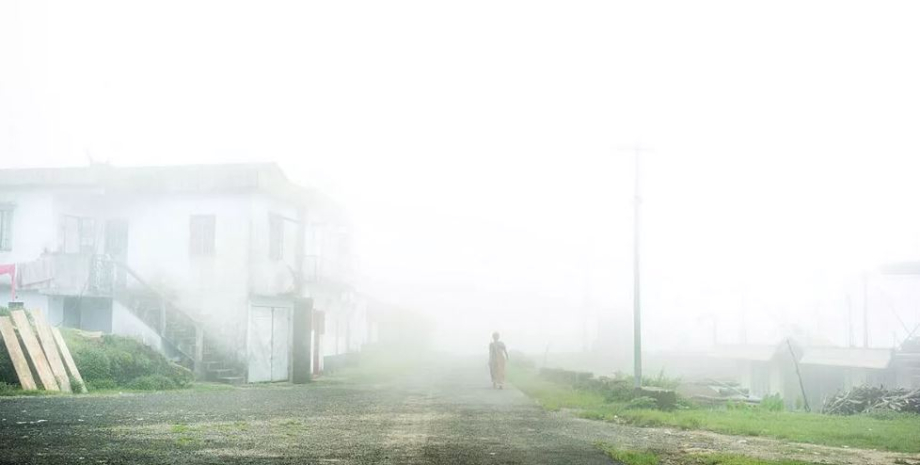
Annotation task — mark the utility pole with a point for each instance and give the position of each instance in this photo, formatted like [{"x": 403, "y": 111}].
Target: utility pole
[
  {"x": 637, "y": 303},
  {"x": 865, "y": 310},
  {"x": 850, "y": 341},
  {"x": 743, "y": 318}
]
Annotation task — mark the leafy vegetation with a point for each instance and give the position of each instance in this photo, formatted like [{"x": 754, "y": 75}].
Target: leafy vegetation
[
  {"x": 111, "y": 362},
  {"x": 631, "y": 457},
  {"x": 106, "y": 363},
  {"x": 896, "y": 433}
]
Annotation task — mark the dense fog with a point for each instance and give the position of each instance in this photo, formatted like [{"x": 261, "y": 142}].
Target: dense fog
[{"x": 485, "y": 155}]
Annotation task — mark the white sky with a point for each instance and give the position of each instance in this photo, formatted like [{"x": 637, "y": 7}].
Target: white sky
[{"x": 475, "y": 143}]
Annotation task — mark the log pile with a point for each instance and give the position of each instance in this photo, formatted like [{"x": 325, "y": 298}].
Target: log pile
[{"x": 867, "y": 399}]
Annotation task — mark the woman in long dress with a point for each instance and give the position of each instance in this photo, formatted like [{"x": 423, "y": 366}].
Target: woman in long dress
[{"x": 498, "y": 357}]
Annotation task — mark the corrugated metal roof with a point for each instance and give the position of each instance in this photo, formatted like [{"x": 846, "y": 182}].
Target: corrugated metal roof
[{"x": 847, "y": 357}]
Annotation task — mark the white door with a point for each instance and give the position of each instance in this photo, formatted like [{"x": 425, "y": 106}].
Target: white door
[
  {"x": 281, "y": 343},
  {"x": 260, "y": 344},
  {"x": 269, "y": 344}
]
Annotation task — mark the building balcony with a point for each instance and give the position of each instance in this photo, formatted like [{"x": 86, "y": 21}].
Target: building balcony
[{"x": 66, "y": 274}]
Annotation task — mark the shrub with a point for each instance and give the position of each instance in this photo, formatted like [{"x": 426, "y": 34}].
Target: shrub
[
  {"x": 772, "y": 403},
  {"x": 618, "y": 391},
  {"x": 8, "y": 388},
  {"x": 94, "y": 363},
  {"x": 75, "y": 385},
  {"x": 101, "y": 384},
  {"x": 180, "y": 375},
  {"x": 113, "y": 361},
  {"x": 152, "y": 383},
  {"x": 665, "y": 399},
  {"x": 7, "y": 372},
  {"x": 643, "y": 402}
]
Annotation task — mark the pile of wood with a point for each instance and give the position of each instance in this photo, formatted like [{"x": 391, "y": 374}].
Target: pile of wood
[
  {"x": 868, "y": 398},
  {"x": 46, "y": 354}
]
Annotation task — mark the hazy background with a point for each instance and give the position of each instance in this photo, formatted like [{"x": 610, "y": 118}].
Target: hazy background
[{"x": 476, "y": 145}]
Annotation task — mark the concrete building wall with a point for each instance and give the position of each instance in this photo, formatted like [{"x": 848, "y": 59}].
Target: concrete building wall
[
  {"x": 270, "y": 275},
  {"x": 33, "y": 225}
]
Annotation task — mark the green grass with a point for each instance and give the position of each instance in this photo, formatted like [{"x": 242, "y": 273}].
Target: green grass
[
  {"x": 898, "y": 433},
  {"x": 633, "y": 457},
  {"x": 9, "y": 390},
  {"x": 180, "y": 428},
  {"x": 732, "y": 459}
]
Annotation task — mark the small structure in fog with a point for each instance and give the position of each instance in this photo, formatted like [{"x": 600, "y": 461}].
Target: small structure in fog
[
  {"x": 827, "y": 370},
  {"x": 764, "y": 370}
]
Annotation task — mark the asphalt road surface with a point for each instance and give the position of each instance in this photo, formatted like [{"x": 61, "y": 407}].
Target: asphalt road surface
[{"x": 441, "y": 413}]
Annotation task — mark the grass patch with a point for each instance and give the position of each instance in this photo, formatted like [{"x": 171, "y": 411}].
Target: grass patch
[
  {"x": 9, "y": 389},
  {"x": 630, "y": 457},
  {"x": 733, "y": 459},
  {"x": 107, "y": 363},
  {"x": 896, "y": 433},
  {"x": 180, "y": 428},
  {"x": 111, "y": 362},
  {"x": 634, "y": 457}
]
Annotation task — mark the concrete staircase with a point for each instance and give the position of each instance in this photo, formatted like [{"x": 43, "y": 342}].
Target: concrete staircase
[{"x": 184, "y": 339}]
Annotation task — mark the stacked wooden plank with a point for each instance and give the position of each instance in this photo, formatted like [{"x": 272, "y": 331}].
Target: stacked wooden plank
[{"x": 45, "y": 354}]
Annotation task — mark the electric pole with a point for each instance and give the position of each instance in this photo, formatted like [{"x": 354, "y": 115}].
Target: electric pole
[
  {"x": 637, "y": 294},
  {"x": 865, "y": 310}
]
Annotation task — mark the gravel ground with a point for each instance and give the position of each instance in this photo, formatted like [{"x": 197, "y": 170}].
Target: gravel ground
[{"x": 443, "y": 414}]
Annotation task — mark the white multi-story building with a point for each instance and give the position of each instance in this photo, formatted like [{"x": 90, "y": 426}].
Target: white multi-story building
[{"x": 231, "y": 269}]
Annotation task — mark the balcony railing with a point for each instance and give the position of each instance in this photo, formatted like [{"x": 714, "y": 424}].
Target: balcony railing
[{"x": 69, "y": 274}]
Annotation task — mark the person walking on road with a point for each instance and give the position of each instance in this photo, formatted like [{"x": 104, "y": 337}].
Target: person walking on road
[{"x": 498, "y": 357}]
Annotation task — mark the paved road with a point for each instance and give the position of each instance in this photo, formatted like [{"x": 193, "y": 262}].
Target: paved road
[{"x": 442, "y": 414}]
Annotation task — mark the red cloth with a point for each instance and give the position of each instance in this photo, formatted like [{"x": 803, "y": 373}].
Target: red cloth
[{"x": 10, "y": 270}]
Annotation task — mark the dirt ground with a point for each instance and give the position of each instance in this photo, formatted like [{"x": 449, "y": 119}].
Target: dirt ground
[
  {"x": 445, "y": 413},
  {"x": 438, "y": 415}
]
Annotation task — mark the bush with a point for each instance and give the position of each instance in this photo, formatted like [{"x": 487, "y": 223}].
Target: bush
[
  {"x": 7, "y": 372},
  {"x": 8, "y": 388},
  {"x": 101, "y": 385},
  {"x": 618, "y": 389},
  {"x": 93, "y": 363},
  {"x": 75, "y": 385},
  {"x": 643, "y": 402},
  {"x": 152, "y": 383},
  {"x": 772, "y": 403},
  {"x": 110, "y": 362}
]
